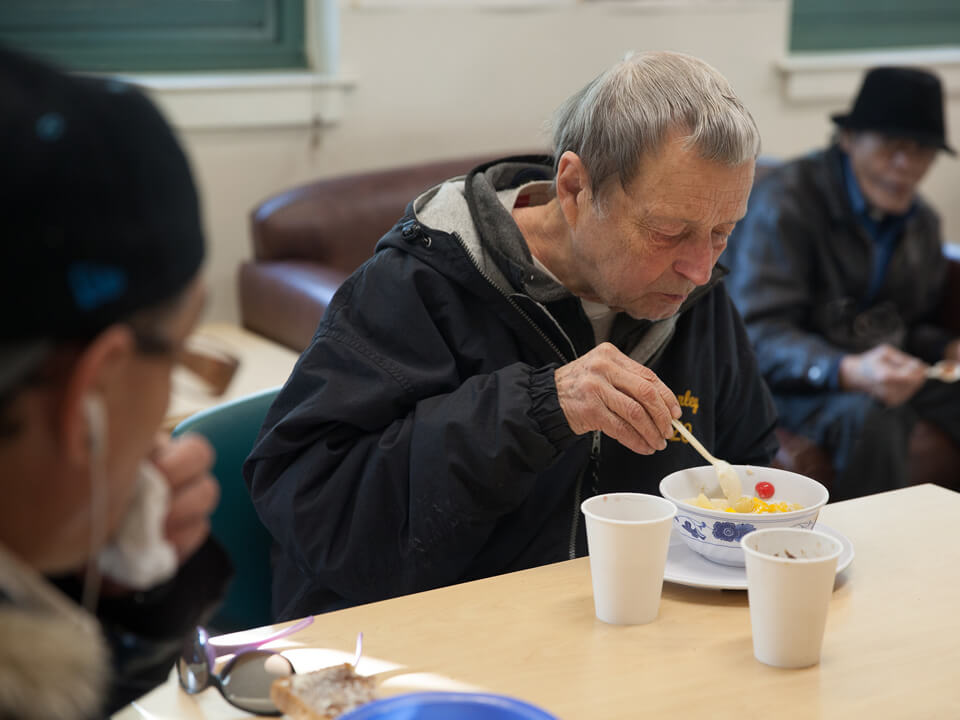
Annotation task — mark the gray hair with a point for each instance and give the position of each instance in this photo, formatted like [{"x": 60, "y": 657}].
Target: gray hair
[{"x": 626, "y": 113}]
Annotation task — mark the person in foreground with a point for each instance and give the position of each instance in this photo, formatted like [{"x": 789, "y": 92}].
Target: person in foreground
[
  {"x": 839, "y": 272},
  {"x": 105, "y": 559},
  {"x": 520, "y": 341}
]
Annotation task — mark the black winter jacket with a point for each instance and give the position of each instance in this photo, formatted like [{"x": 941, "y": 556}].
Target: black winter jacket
[
  {"x": 801, "y": 266},
  {"x": 419, "y": 441}
]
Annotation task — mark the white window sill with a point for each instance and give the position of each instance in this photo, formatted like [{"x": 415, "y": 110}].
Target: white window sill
[
  {"x": 680, "y": 5},
  {"x": 817, "y": 77},
  {"x": 194, "y": 101},
  {"x": 460, "y": 4},
  {"x": 520, "y": 5}
]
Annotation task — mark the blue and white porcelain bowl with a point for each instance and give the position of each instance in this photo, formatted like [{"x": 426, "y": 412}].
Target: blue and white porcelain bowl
[{"x": 716, "y": 534}]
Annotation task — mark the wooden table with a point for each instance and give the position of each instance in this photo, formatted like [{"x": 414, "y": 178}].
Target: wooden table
[
  {"x": 891, "y": 649},
  {"x": 263, "y": 364}
]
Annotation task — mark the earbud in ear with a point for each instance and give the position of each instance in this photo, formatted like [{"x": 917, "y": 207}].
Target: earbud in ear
[{"x": 96, "y": 416}]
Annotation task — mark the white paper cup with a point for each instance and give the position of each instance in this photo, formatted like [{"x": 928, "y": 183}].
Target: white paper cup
[
  {"x": 790, "y": 575},
  {"x": 628, "y": 535}
]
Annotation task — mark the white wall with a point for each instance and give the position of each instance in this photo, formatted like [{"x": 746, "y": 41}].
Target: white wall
[{"x": 433, "y": 83}]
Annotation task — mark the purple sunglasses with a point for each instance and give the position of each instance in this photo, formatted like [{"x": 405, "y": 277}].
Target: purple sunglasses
[{"x": 246, "y": 679}]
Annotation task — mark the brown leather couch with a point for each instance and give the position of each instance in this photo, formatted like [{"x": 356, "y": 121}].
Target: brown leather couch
[{"x": 307, "y": 240}]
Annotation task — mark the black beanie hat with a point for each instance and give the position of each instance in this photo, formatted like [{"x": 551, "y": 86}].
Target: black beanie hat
[{"x": 99, "y": 216}]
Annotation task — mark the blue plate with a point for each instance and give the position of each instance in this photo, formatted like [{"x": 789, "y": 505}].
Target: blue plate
[{"x": 446, "y": 705}]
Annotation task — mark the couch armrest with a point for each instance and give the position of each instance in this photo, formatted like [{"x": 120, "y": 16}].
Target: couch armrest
[
  {"x": 284, "y": 300},
  {"x": 800, "y": 455},
  {"x": 950, "y": 309}
]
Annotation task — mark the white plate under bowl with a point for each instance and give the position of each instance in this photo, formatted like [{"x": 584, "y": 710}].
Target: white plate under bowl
[{"x": 687, "y": 567}]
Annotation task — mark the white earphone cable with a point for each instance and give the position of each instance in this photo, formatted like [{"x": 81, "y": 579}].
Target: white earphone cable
[{"x": 96, "y": 417}]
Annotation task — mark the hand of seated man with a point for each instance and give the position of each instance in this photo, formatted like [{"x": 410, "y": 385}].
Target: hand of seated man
[
  {"x": 606, "y": 390},
  {"x": 888, "y": 374}
]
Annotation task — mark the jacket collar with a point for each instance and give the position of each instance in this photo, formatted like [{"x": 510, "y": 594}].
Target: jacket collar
[{"x": 500, "y": 235}]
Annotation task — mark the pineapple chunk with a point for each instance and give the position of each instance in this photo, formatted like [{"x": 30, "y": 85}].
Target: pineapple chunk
[
  {"x": 702, "y": 501},
  {"x": 744, "y": 504},
  {"x": 720, "y": 503}
]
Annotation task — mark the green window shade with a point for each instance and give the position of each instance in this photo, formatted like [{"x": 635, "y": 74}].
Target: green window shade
[
  {"x": 829, "y": 25},
  {"x": 158, "y": 35}
]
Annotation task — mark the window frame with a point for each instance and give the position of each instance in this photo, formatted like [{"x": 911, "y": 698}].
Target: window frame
[{"x": 159, "y": 35}]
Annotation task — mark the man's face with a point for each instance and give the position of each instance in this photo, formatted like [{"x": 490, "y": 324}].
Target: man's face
[
  {"x": 647, "y": 248},
  {"x": 888, "y": 169}
]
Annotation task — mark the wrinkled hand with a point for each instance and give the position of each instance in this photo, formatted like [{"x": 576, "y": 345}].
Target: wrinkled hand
[
  {"x": 186, "y": 462},
  {"x": 605, "y": 390},
  {"x": 886, "y": 373}
]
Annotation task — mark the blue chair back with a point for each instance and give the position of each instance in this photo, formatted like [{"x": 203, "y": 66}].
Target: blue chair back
[{"x": 232, "y": 429}]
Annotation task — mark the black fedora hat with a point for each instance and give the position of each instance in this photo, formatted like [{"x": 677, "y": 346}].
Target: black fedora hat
[{"x": 902, "y": 102}]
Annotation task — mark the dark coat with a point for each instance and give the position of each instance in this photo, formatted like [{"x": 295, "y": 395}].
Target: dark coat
[
  {"x": 801, "y": 265},
  {"x": 419, "y": 441}
]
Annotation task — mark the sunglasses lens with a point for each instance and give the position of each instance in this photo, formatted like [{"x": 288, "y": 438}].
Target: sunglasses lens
[
  {"x": 247, "y": 679},
  {"x": 192, "y": 668}
]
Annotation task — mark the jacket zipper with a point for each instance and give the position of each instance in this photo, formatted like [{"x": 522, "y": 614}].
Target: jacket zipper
[
  {"x": 593, "y": 466},
  {"x": 514, "y": 305}
]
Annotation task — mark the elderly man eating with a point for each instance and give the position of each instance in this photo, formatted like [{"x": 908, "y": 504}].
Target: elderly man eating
[{"x": 518, "y": 343}]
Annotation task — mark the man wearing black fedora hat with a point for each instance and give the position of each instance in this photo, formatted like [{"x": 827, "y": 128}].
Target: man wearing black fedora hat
[{"x": 839, "y": 272}]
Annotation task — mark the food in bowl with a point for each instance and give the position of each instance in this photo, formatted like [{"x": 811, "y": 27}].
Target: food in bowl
[
  {"x": 744, "y": 504},
  {"x": 764, "y": 490},
  {"x": 715, "y": 533}
]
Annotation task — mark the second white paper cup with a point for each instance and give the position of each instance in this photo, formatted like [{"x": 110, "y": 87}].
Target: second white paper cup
[
  {"x": 628, "y": 535},
  {"x": 790, "y": 575}
]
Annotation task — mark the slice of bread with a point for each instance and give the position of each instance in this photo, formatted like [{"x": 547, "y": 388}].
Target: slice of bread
[{"x": 322, "y": 694}]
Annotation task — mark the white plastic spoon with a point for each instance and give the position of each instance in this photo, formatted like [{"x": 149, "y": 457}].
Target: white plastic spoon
[{"x": 726, "y": 474}]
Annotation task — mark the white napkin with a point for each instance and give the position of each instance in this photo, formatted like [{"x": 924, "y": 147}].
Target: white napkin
[{"x": 139, "y": 556}]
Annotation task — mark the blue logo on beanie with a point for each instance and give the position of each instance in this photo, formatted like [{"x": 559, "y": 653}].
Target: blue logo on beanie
[
  {"x": 50, "y": 126},
  {"x": 94, "y": 285},
  {"x": 113, "y": 85}
]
